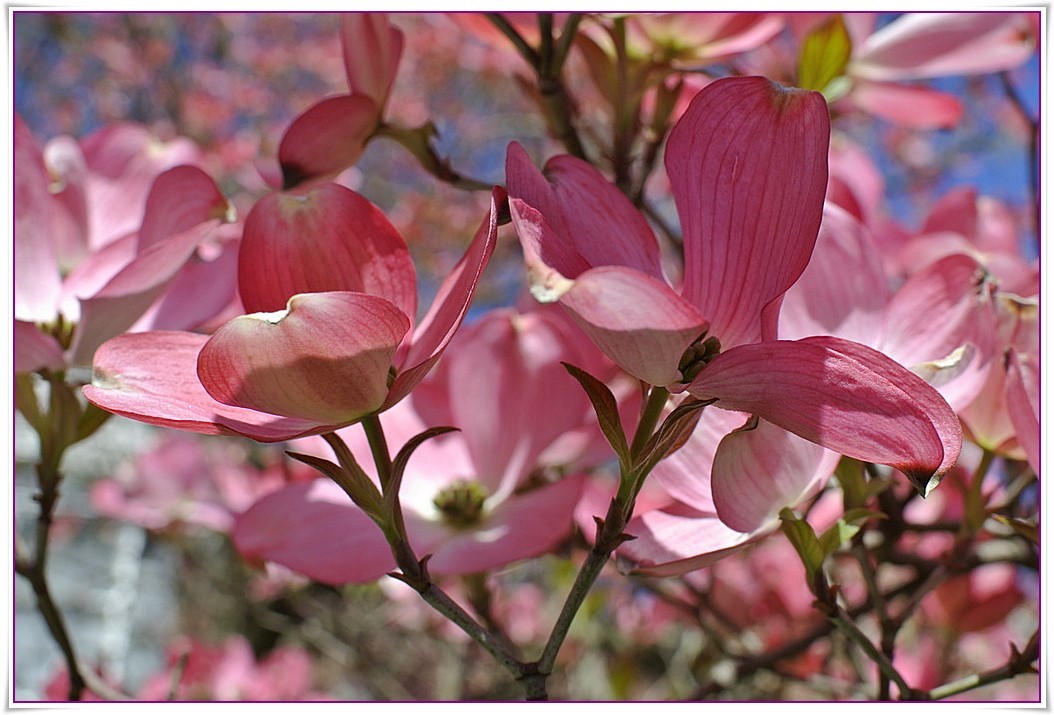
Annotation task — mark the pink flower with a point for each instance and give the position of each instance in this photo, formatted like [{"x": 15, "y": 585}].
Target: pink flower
[
  {"x": 103, "y": 232},
  {"x": 331, "y": 135},
  {"x": 747, "y": 163},
  {"x": 473, "y": 500},
  {"x": 334, "y": 294}
]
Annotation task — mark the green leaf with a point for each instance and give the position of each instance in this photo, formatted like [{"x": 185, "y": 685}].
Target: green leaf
[
  {"x": 26, "y": 402},
  {"x": 606, "y": 408},
  {"x": 672, "y": 434},
  {"x": 92, "y": 419},
  {"x": 825, "y": 53},
  {"x": 391, "y": 494},
  {"x": 357, "y": 485},
  {"x": 859, "y": 516},
  {"x": 1020, "y": 526},
  {"x": 804, "y": 541},
  {"x": 836, "y": 535}
]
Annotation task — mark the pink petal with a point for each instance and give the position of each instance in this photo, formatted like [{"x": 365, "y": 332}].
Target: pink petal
[
  {"x": 759, "y": 471},
  {"x": 856, "y": 184},
  {"x": 686, "y": 474},
  {"x": 123, "y": 159},
  {"x": 212, "y": 283},
  {"x": 748, "y": 167},
  {"x": 1022, "y": 402},
  {"x": 509, "y": 393},
  {"x": 523, "y": 526},
  {"x": 69, "y": 174},
  {"x": 672, "y": 543},
  {"x": 842, "y": 395},
  {"x": 956, "y": 299},
  {"x": 314, "y": 528},
  {"x": 843, "y": 290},
  {"x": 923, "y": 45},
  {"x": 152, "y": 377},
  {"x": 326, "y": 139},
  {"x": 35, "y": 350},
  {"x": 636, "y": 320},
  {"x": 954, "y": 212},
  {"x": 372, "y": 46},
  {"x": 329, "y": 239},
  {"x": 591, "y": 219},
  {"x": 116, "y": 306},
  {"x": 37, "y": 280},
  {"x": 449, "y": 307},
  {"x": 910, "y": 106},
  {"x": 710, "y": 36},
  {"x": 324, "y": 359},
  {"x": 180, "y": 199}
]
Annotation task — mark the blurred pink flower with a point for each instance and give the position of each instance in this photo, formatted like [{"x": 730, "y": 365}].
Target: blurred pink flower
[
  {"x": 106, "y": 231},
  {"x": 334, "y": 294}
]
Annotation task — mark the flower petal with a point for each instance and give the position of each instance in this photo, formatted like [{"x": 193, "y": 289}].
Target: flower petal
[
  {"x": 152, "y": 377},
  {"x": 759, "y": 470},
  {"x": 180, "y": 199},
  {"x": 325, "y": 139},
  {"x": 38, "y": 284},
  {"x": 372, "y": 47},
  {"x": 523, "y": 526},
  {"x": 328, "y": 239},
  {"x": 843, "y": 291},
  {"x": 923, "y": 45},
  {"x": 314, "y": 529},
  {"x": 325, "y": 359},
  {"x": 908, "y": 105},
  {"x": 35, "y": 350},
  {"x": 126, "y": 296},
  {"x": 674, "y": 542},
  {"x": 449, "y": 307},
  {"x": 636, "y": 320},
  {"x": 1022, "y": 402},
  {"x": 588, "y": 214},
  {"x": 955, "y": 296},
  {"x": 748, "y": 167},
  {"x": 844, "y": 396}
]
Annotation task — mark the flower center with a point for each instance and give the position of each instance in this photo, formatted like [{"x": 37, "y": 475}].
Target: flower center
[
  {"x": 697, "y": 356},
  {"x": 461, "y": 503}
]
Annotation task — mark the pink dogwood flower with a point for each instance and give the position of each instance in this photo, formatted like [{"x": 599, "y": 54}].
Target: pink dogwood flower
[
  {"x": 747, "y": 164},
  {"x": 333, "y": 294},
  {"x": 330, "y": 136},
  {"x": 103, "y": 231},
  {"x": 474, "y": 500}
]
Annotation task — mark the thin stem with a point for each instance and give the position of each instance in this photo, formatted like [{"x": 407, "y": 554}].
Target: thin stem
[
  {"x": 371, "y": 425},
  {"x": 843, "y": 623},
  {"x": 887, "y": 626},
  {"x": 567, "y": 38},
  {"x": 649, "y": 418},
  {"x": 526, "y": 51},
  {"x": 1018, "y": 664}
]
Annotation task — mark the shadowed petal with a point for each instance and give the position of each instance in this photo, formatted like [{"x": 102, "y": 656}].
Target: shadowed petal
[
  {"x": 326, "y": 139},
  {"x": 326, "y": 358},
  {"x": 1022, "y": 402},
  {"x": 35, "y": 350},
  {"x": 449, "y": 307},
  {"x": 329, "y": 239},
  {"x": 118, "y": 304},
  {"x": 38, "y": 284},
  {"x": 152, "y": 377},
  {"x": 636, "y": 320},
  {"x": 314, "y": 529},
  {"x": 670, "y": 543},
  {"x": 844, "y": 396},
  {"x": 759, "y": 471},
  {"x": 589, "y": 216},
  {"x": 748, "y": 168}
]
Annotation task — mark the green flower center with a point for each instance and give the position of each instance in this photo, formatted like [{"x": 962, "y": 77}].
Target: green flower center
[{"x": 461, "y": 503}]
